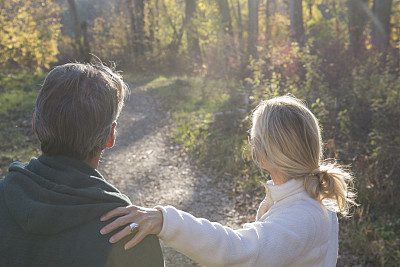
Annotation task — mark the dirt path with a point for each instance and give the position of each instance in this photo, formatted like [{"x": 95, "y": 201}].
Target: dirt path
[{"x": 145, "y": 166}]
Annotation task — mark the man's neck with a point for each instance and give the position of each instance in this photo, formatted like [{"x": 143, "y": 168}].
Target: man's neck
[{"x": 94, "y": 162}]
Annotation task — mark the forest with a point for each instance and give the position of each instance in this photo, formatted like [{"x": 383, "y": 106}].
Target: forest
[{"x": 211, "y": 62}]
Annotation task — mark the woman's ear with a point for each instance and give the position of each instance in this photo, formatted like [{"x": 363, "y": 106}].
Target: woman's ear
[{"x": 111, "y": 138}]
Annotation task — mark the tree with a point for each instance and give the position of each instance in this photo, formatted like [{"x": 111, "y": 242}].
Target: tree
[
  {"x": 192, "y": 34},
  {"x": 77, "y": 30},
  {"x": 137, "y": 23},
  {"x": 86, "y": 47},
  {"x": 174, "y": 44},
  {"x": 227, "y": 40},
  {"x": 252, "y": 28},
  {"x": 28, "y": 34},
  {"x": 152, "y": 22},
  {"x": 112, "y": 39},
  {"x": 357, "y": 17},
  {"x": 270, "y": 8},
  {"x": 129, "y": 4},
  {"x": 226, "y": 21},
  {"x": 237, "y": 13},
  {"x": 381, "y": 27},
  {"x": 140, "y": 33},
  {"x": 296, "y": 21}
]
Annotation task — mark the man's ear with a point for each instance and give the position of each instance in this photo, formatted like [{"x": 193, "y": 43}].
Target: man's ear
[{"x": 112, "y": 136}]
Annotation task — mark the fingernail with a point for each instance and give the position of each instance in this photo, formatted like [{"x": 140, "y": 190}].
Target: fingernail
[
  {"x": 112, "y": 240},
  {"x": 126, "y": 247},
  {"x": 101, "y": 218},
  {"x": 102, "y": 231}
]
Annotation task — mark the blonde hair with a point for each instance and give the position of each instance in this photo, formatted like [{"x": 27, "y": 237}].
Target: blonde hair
[{"x": 286, "y": 135}]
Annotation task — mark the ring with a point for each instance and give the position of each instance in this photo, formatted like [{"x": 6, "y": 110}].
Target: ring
[{"x": 134, "y": 227}]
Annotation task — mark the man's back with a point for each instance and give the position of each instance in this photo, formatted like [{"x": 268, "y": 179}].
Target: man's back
[{"x": 50, "y": 216}]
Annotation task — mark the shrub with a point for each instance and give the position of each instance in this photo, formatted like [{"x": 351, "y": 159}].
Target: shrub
[{"x": 17, "y": 101}]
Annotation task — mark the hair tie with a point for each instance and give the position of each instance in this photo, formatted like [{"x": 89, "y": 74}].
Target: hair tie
[
  {"x": 319, "y": 173},
  {"x": 315, "y": 172}
]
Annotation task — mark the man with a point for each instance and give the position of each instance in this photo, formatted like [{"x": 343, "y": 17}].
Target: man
[{"x": 50, "y": 208}]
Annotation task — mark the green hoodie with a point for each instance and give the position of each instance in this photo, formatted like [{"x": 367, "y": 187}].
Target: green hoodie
[{"x": 50, "y": 216}]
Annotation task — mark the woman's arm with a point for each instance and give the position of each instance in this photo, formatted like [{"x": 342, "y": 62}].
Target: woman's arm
[
  {"x": 208, "y": 243},
  {"x": 274, "y": 241}
]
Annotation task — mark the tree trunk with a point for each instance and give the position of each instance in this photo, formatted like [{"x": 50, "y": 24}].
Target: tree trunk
[
  {"x": 226, "y": 21},
  {"x": 253, "y": 28},
  {"x": 227, "y": 38},
  {"x": 239, "y": 28},
  {"x": 296, "y": 21},
  {"x": 129, "y": 4},
  {"x": 77, "y": 30},
  {"x": 136, "y": 15},
  {"x": 270, "y": 8},
  {"x": 152, "y": 26},
  {"x": 238, "y": 17},
  {"x": 192, "y": 34},
  {"x": 357, "y": 16},
  {"x": 381, "y": 24},
  {"x": 140, "y": 33},
  {"x": 174, "y": 45},
  {"x": 86, "y": 46}
]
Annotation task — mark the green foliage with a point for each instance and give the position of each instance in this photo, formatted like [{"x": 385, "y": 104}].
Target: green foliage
[
  {"x": 112, "y": 36},
  {"x": 17, "y": 100},
  {"x": 377, "y": 90},
  {"x": 376, "y": 241},
  {"x": 359, "y": 111},
  {"x": 28, "y": 34}
]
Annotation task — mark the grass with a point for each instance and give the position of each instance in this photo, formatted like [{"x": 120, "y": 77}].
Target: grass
[
  {"x": 370, "y": 241},
  {"x": 17, "y": 100}
]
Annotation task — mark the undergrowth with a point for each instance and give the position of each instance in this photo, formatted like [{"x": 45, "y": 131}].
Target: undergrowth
[
  {"x": 18, "y": 93},
  {"x": 211, "y": 122}
]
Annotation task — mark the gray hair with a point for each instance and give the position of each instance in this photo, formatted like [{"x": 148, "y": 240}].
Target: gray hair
[{"x": 75, "y": 109}]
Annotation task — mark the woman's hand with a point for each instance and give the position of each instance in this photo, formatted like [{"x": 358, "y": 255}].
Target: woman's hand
[{"x": 150, "y": 222}]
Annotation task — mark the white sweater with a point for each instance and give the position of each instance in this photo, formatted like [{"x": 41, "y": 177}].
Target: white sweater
[{"x": 296, "y": 231}]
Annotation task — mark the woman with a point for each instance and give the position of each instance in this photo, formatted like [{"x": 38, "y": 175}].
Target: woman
[{"x": 296, "y": 223}]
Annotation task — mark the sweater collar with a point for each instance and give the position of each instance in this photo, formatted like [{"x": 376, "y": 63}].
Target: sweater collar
[{"x": 279, "y": 192}]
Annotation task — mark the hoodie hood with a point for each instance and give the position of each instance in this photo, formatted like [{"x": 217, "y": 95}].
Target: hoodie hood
[{"x": 53, "y": 194}]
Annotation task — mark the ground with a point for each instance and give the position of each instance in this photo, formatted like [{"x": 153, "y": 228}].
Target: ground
[{"x": 147, "y": 167}]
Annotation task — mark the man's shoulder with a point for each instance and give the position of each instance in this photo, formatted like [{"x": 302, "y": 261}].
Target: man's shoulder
[
  {"x": 1, "y": 189},
  {"x": 146, "y": 253}
]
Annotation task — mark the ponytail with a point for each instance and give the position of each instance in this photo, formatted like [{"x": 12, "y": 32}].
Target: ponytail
[{"x": 331, "y": 185}]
